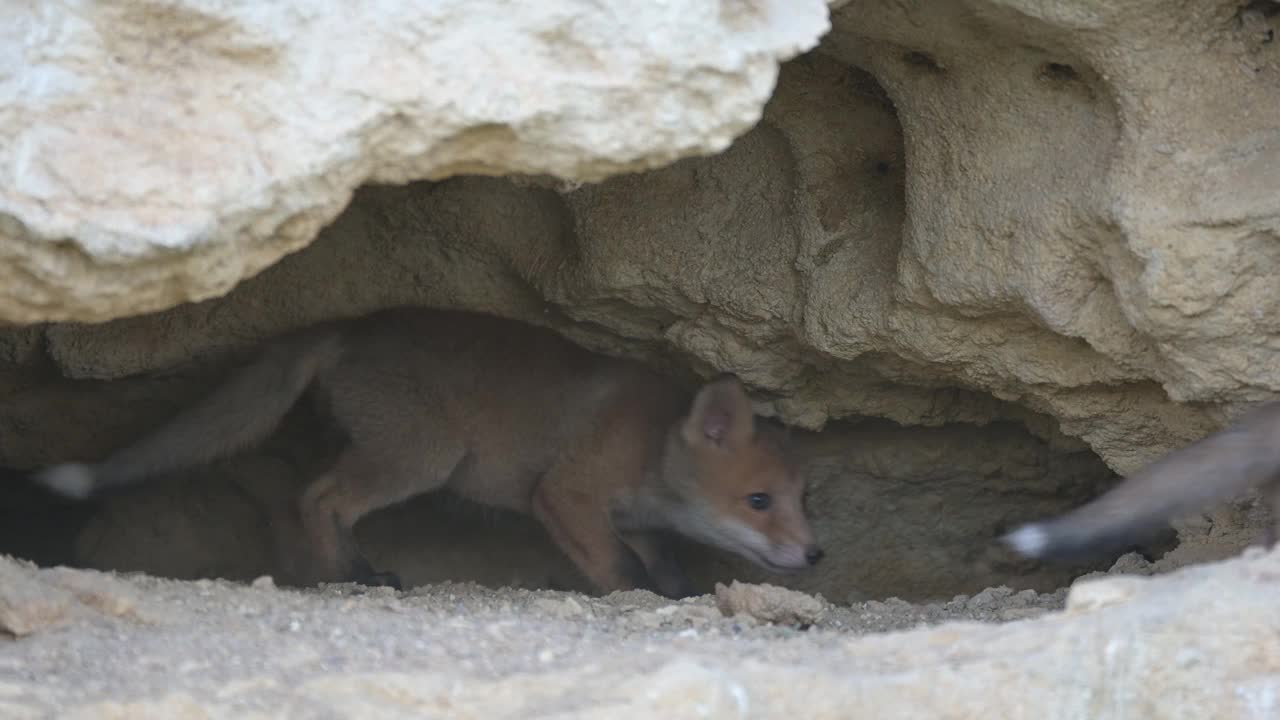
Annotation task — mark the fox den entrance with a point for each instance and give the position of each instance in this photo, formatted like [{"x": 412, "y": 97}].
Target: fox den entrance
[
  {"x": 722, "y": 264},
  {"x": 906, "y": 512},
  {"x": 863, "y": 509},
  {"x": 898, "y": 511}
]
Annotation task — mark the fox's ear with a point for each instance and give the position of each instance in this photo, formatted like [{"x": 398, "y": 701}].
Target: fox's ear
[{"x": 721, "y": 414}]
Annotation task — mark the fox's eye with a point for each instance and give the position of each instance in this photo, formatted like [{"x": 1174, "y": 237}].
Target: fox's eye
[{"x": 759, "y": 501}]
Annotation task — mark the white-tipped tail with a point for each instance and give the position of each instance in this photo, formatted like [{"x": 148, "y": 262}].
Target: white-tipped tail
[
  {"x": 71, "y": 480},
  {"x": 1028, "y": 540}
]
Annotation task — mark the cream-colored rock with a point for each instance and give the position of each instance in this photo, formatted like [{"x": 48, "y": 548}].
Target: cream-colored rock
[
  {"x": 970, "y": 212},
  {"x": 1089, "y": 221},
  {"x": 36, "y": 601},
  {"x": 1197, "y": 643},
  {"x": 28, "y": 605},
  {"x": 154, "y": 153},
  {"x": 769, "y": 603}
]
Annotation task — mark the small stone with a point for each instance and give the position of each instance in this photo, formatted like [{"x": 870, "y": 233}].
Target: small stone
[
  {"x": 1088, "y": 595},
  {"x": 770, "y": 603},
  {"x": 27, "y": 604},
  {"x": 563, "y": 609},
  {"x": 100, "y": 591}
]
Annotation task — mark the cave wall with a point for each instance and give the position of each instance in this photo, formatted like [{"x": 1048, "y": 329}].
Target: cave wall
[{"x": 902, "y": 511}]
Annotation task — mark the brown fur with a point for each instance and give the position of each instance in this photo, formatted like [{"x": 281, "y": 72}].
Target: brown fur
[{"x": 604, "y": 453}]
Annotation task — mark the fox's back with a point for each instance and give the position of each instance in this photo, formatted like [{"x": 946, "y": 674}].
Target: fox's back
[{"x": 513, "y": 394}]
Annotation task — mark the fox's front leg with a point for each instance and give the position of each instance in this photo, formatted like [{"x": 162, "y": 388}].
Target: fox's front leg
[
  {"x": 656, "y": 554},
  {"x": 580, "y": 527},
  {"x": 328, "y": 509}
]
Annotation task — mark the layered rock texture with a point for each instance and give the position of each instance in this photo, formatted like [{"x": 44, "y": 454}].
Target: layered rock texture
[
  {"x": 160, "y": 152},
  {"x": 947, "y": 213},
  {"x": 987, "y": 253}
]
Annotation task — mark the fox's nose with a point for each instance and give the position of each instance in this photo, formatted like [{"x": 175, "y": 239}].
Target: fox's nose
[{"x": 813, "y": 554}]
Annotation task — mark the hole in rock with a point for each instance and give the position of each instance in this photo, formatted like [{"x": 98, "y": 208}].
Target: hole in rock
[
  {"x": 1265, "y": 8},
  {"x": 922, "y": 60},
  {"x": 906, "y": 512},
  {"x": 669, "y": 267},
  {"x": 1058, "y": 72}
]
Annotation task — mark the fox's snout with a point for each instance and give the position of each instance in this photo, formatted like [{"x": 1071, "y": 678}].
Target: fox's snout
[{"x": 794, "y": 556}]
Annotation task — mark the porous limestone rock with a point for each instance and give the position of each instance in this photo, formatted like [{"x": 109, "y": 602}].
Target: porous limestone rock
[
  {"x": 155, "y": 152},
  {"x": 1089, "y": 225},
  {"x": 1057, "y": 214}
]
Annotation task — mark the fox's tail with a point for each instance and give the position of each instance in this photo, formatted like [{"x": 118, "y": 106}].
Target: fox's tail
[
  {"x": 244, "y": 410},
  {"x": 1219, "y": 467}
]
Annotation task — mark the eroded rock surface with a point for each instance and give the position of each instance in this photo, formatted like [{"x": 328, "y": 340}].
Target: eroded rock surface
[
  {"x": 1173, "y": 646},
  {"x": 153, "y": 153},
  {"x": 1056, "y": 215}
]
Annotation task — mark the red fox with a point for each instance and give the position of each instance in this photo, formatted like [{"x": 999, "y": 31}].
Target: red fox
[
  {"x": 606, "y": 454},
  {"x": 1217, "y": 468}
]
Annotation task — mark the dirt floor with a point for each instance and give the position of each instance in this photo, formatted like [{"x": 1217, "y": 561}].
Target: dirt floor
[{"x": 90, "y": 644}]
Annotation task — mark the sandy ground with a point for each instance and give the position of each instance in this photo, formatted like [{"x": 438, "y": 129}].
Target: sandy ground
[{"x": 92, "y": 644}]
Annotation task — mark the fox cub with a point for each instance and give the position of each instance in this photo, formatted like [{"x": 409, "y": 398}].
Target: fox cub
[{"x": 607, "y": 455}]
